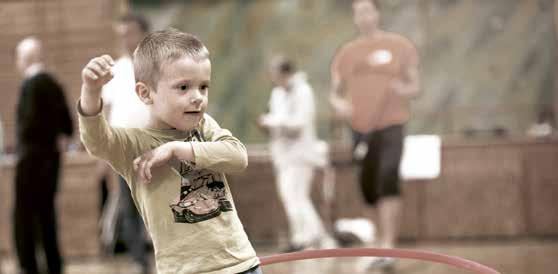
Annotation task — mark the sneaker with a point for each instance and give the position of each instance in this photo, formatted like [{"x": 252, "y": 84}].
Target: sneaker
[
  {"x": 327, "y": 243},
  {"x": 293, "y": 248},
  {"x": 381, "y": 263}
]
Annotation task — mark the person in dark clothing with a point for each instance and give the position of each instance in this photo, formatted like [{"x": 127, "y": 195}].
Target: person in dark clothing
[{"x": 42, "y": 118}]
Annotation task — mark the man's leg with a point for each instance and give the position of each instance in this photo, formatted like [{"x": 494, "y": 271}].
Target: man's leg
[
  {"x": 47, "y": 217},
  {"x": 368, "y": 181},
  {"x": 390, "y": 144},
  {"x": 24, "y": 236},
  {"x": 288, "y": 189},
  {"x": 389, "y": 218},
  {"x": 47, "y": 220},
  {"x": 312, "y": 228},
  {"x": 390, "y": 202},
  {"x": 24, "y": 215}
]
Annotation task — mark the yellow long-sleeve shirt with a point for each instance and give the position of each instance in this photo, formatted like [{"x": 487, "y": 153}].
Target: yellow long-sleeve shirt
[{"x": 187, "y": 209}]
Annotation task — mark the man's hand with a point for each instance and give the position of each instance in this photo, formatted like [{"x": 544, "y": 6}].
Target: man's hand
[
  {"x": 153, "y": 158},
  {"x": 97, "y": 72},
  {"x": 342, "y": 109},
  {"x": 260, "y": 123}
]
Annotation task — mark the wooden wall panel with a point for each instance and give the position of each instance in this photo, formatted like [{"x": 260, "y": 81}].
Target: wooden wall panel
[
  {"x": 478, "y": 195},
  {"x": 541, "y": 190}
]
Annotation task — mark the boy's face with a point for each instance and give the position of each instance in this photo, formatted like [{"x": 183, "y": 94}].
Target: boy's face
[{"x": 180, "y": 99}]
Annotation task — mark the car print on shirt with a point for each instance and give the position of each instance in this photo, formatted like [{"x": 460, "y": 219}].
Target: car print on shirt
[{"x": 202, "y": 193}]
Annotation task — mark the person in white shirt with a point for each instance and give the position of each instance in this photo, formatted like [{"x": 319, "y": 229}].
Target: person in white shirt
[
  {"x": 295, "y": 152},
  {"x": 124, "y": 109}
]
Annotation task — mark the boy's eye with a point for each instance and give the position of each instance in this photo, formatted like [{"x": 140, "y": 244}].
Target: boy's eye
[
  {"x": 183, "y": 87},
  {"x": 205, "y": 87}
]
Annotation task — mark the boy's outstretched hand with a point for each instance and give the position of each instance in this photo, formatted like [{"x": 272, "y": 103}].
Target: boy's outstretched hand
[
  {"x": 153, "y": 158},
  {"x": 171, "y": 151},
  {"x": 97, "y": 72}
]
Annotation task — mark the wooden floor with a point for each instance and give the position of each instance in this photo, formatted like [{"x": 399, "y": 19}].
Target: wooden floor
[{"x": 509, "y": 257}]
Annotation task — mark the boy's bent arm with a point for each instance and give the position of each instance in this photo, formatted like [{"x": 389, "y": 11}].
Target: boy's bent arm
[
  {"x": 99, "y": 139},
  {"x": 222, "y": 152}
]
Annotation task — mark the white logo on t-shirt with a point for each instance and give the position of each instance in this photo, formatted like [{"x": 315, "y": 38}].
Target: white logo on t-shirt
[{"x": 380, "y": 57}]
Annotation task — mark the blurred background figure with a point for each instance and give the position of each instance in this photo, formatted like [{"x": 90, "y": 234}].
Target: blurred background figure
[
  {"x": 42, "y": 119},
  {"x": 295, "y": 152},
  {"x": 120, "y": 219},
  {"x": 378, "y": 72}
]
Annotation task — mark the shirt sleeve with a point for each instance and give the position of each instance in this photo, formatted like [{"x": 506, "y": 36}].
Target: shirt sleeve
[
  {"x": 114, "y": 145},
  {"x": 222, "y": 152}
]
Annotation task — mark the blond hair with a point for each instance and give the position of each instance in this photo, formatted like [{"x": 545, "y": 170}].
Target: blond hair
[{"x": 160, "y": 47}]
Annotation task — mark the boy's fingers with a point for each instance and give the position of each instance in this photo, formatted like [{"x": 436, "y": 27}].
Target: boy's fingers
[
  {"x": 135, "y": 164},
  {"x": 104, "y": 64},
  {"x": 108, "y": 59},
  {"x": 142, "y": 169},
  {"x": 89, "y": 73},
  {"x": 108, "y": 77},
  {"x": 148, "y": 170},
  {"x": 99, "y": 67},
  {"x": 96, "y": 68}
]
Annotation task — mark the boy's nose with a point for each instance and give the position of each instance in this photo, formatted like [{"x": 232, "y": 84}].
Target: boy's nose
[{"x": 196, "y": 97}]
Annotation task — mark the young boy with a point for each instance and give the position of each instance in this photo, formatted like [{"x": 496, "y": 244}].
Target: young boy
[{"x": 175, "y": 166}]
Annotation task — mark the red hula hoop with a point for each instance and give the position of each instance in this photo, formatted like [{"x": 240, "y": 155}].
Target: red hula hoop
[{"x": 379, "y": 252}]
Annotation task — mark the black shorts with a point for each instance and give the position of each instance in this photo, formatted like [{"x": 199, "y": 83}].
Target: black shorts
[{"x": 379, "y": 169}]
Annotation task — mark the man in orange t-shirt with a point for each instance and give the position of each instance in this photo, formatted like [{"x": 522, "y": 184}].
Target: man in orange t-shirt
[{"x": 378, "y": 75}]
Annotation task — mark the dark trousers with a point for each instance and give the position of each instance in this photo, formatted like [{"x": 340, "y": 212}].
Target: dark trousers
[
  {"x": 379, "y": 170},
  {"x": 36, "y": 181},
  {"x": 132, "y": 228}
]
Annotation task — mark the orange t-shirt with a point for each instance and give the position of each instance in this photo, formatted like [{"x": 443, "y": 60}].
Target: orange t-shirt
[{"x": 367, "y": 68}]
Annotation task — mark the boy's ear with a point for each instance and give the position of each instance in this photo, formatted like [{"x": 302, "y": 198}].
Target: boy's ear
[{"x": 144, "y": 93}]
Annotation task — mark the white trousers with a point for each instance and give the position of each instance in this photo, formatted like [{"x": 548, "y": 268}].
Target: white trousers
[{"x": 294, "y": 184}]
